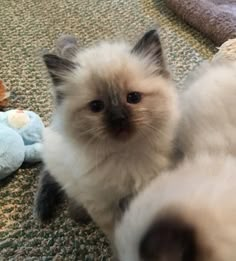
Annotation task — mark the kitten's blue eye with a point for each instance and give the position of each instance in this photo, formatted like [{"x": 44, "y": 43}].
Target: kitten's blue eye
[
  {"x": 96, "y": 105},
  {"x": 134, "y": 97}
]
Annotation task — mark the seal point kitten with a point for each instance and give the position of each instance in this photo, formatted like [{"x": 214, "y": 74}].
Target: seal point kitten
[{"x": 114, "y": 123}]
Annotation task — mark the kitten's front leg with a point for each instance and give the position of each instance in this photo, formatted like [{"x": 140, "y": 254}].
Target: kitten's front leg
[
  {"x": 78, "y": 213},
  {"x": 123, "y": 205},
  {"x": 48, "y": 196}
]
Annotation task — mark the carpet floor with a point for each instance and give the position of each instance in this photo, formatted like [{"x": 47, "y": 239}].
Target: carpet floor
[{"x": 28, "y": 26}]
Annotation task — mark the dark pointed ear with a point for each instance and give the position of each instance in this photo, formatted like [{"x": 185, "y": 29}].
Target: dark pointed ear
[
  {"x": 150, "y": 46},
  {"x": 58, "y": 67}
]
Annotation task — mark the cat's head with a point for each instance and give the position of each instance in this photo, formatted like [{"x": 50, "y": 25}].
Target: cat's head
[{"x": 114, "y": 91}]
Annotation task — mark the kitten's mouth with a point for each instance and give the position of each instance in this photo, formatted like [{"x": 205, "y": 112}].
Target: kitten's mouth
[{"x": 122, "y": 133}]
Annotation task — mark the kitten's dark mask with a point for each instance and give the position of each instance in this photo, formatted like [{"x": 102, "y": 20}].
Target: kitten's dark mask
[
  {"x": 117, "y": 115},
  {"x": 117, "y": 119},
  {"x": 114, "y": 107}
]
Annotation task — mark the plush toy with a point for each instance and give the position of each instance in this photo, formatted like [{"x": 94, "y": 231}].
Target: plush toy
[
  {"x": 20, "y": 140},
  {"x": 4, "y": 95}
]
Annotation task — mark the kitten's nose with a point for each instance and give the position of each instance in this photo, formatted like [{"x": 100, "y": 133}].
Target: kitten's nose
[
  {"x": 169, "y": 239},
  {"x": 118, "y": 118}
]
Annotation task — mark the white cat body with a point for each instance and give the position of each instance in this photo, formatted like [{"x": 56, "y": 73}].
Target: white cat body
[
  {"x": 208, "y": 109},
  {"x": 201, "y": 191}
]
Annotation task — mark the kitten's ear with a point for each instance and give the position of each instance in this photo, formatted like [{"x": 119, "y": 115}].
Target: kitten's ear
[
  {"x": 58, "y": 67},
  {"x": 66, "y": 46},
  {"x": 150, "y": 46}
]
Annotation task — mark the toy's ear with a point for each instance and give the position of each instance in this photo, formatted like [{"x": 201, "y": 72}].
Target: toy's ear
[
  {"x": 149, "y": 46},
  {"x": 58, "y": 69}
]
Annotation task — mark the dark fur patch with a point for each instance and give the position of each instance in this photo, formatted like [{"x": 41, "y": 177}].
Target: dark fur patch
[
  {"x": 78, "y": 213},
  {"x": 48, "y": 196},
  {"x": 169, "y": 238},
  {"x": 150, "y": 45},
  {"x": 125, "y": 202},
  {"x": 118, "y": 118},
  {"x": 57, "y": 67},
  {"x": 150, "y": 41},
  {"x": 123, "y": 205}
]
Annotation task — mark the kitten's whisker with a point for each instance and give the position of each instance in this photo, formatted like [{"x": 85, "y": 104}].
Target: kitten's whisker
[
  {"x": 141, "y": 110},
  {"x": 146, "y": 137},
  {"x": 91, "y": 140},
  {"x": 96, "y": 154},
  {"x": 152, "y": 127},
  {"x": 139, "y": 121},
  {"x": 154, "y": 131},
  {"x": 91, "y": 131},
  {"x": 145, "y": 110}
]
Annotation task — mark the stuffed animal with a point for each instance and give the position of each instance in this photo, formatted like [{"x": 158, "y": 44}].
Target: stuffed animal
[{"x": 20, "y": 140}]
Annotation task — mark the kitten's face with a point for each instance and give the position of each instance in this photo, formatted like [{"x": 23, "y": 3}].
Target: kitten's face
[{"x": 113, "y": 92}]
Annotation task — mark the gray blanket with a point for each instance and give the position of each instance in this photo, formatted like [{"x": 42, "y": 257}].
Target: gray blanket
[{"x": 214, "y": 18}]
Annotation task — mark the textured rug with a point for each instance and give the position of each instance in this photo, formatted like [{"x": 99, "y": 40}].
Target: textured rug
[{"x": 26, "y": 27}]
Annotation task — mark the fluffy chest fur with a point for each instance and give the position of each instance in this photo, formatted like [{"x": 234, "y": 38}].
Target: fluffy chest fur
[{"x": 97, "y": 180}]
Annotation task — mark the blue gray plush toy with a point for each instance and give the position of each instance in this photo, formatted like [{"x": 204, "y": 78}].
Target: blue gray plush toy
[{"x": 20, "y": 140}]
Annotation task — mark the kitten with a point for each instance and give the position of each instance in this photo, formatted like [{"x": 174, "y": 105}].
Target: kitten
[
  {"x": 114, "y": 123},
  {"x": 189, "y": 213}
]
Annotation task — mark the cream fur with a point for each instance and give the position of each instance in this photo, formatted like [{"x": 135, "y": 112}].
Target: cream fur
[
  {"x": 202, "y": 192},
  {"x": 99, "y": 173},
  {"x": 208, "y": 109},
  {"x": 202, "y": 188}
]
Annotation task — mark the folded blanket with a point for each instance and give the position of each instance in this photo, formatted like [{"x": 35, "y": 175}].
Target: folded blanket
[{"x": 214, "y": 18}]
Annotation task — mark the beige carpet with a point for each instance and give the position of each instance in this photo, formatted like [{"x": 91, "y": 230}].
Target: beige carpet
[{"x": 26, "y": 27}]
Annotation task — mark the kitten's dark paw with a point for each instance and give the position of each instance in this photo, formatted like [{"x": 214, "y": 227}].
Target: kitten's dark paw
[
  {"x": 125, "y": 202},
  {"x": 48, "y": 196},
  {"x": 78, "y": 213},
  {"x": 123, "y": 205}
]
